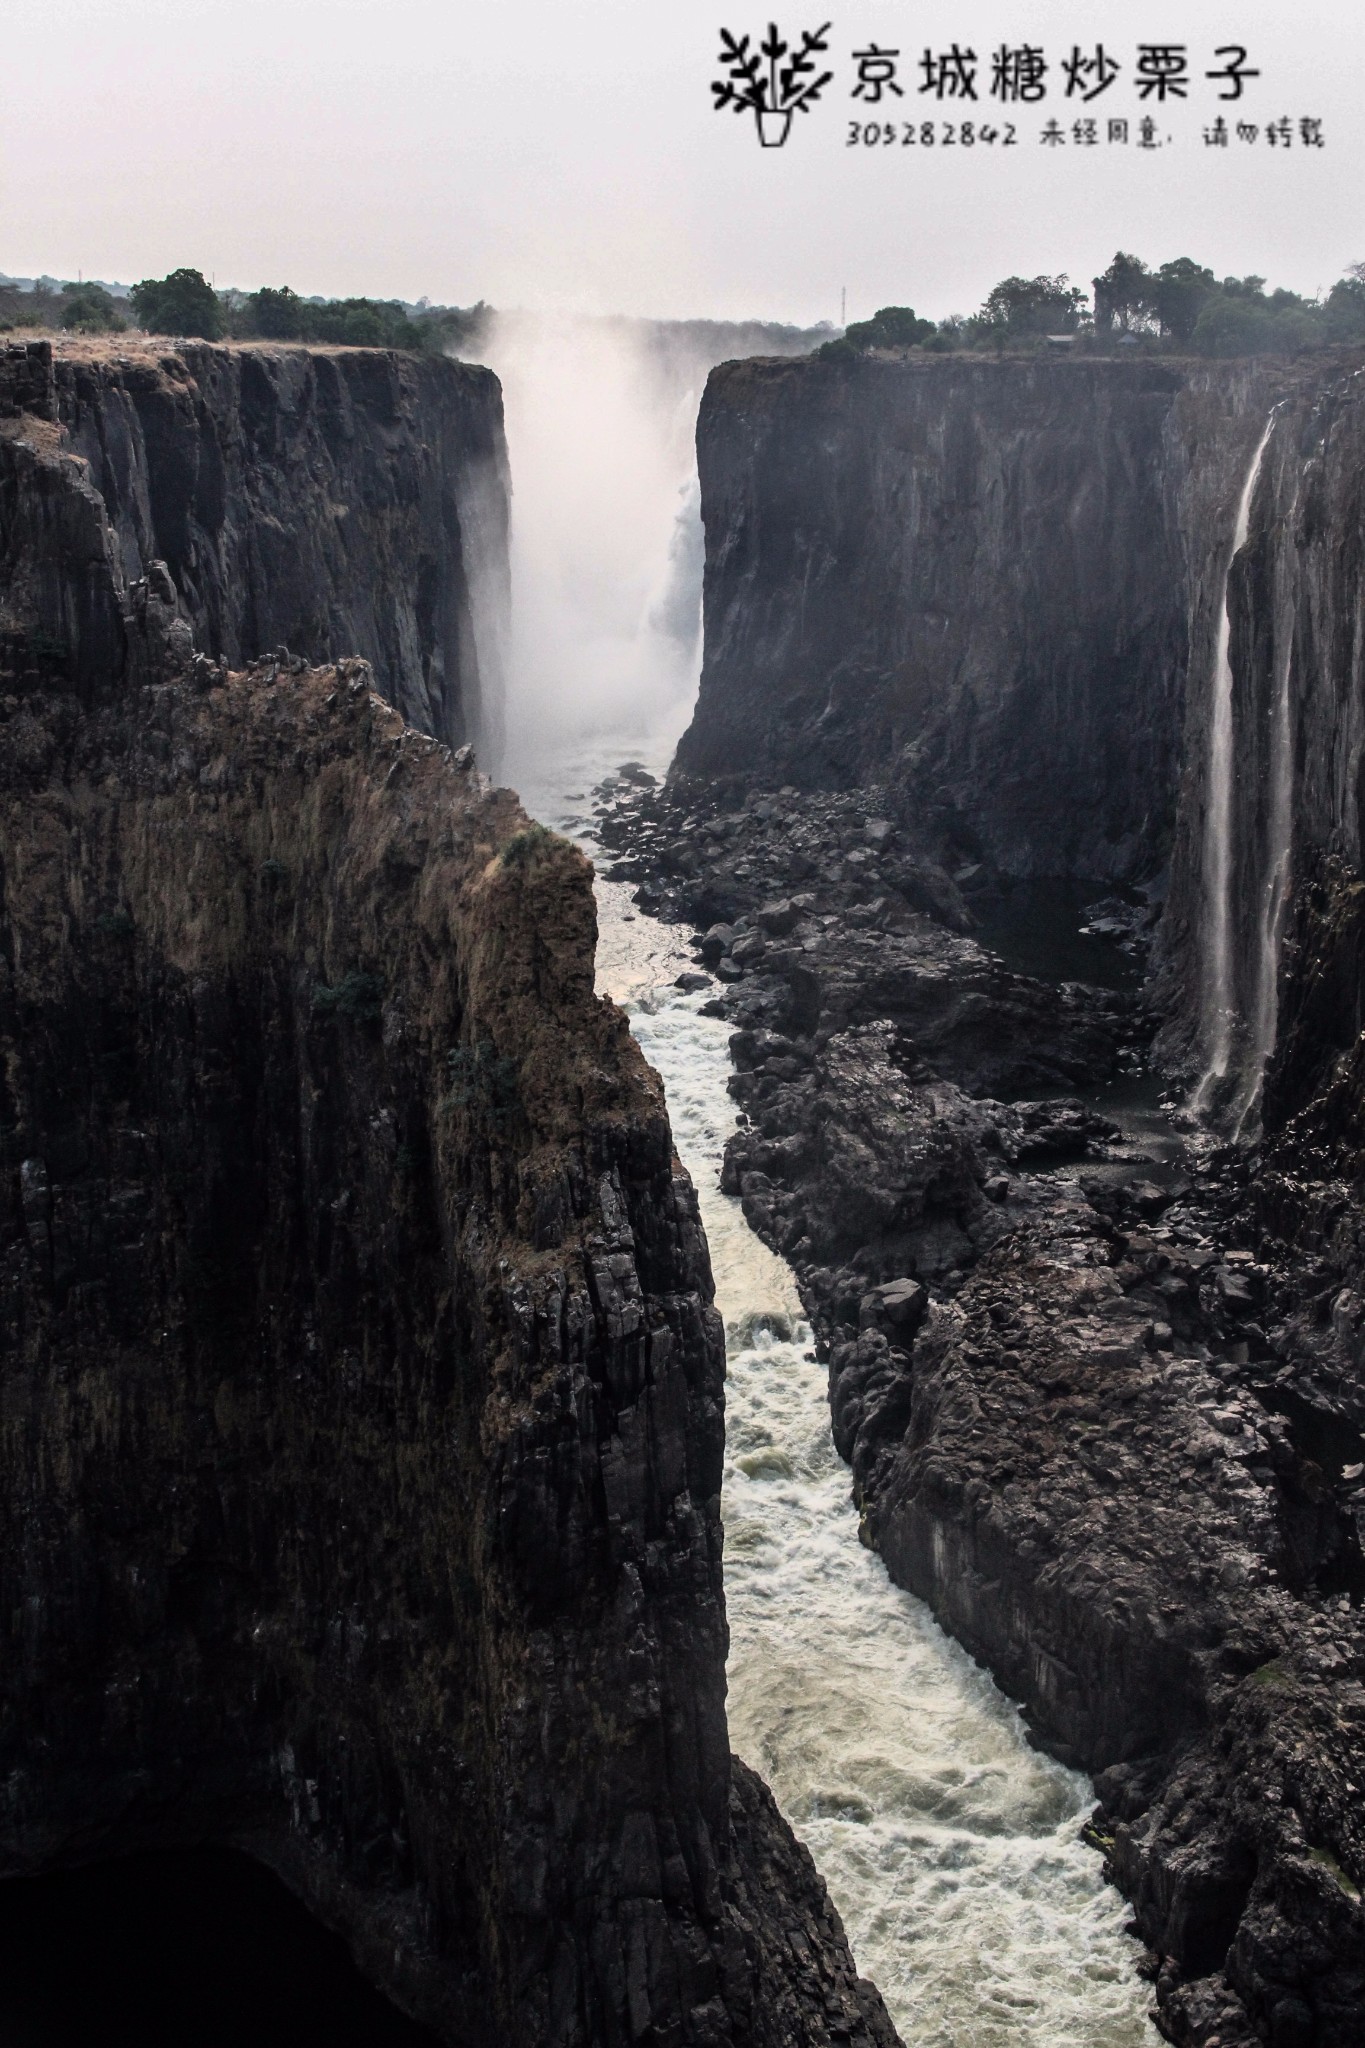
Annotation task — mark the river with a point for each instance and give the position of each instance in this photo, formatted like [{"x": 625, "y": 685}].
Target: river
[{"x": 951, "y": 1848}]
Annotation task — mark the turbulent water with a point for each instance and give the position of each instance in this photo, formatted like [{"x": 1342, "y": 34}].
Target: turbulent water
[{"x": 951, "y": 1849}]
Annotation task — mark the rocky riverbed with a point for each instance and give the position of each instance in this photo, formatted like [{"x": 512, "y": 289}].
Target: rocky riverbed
[{"x": 1091, "y": 1372}]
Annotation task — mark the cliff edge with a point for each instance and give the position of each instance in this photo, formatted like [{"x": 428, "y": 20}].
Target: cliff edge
[{"x": 331, "y": 501}]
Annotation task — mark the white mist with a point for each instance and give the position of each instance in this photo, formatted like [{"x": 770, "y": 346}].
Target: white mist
[{"x": 606, "y": 544}]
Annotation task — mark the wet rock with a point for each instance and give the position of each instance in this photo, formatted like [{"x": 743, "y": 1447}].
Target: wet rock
[{"x": 900, "y": 1304}]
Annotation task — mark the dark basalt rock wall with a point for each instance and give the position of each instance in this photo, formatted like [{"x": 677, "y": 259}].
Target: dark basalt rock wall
[
  {"x": 360, "y": 1384},
  {"x": 983, "y": 581},
  {"x": 1112, "y": 1428},
  {"x": 333, "y": 501},
  {"x": 1099, "y": 1413},
  {"x": 1298, "y": 712}
]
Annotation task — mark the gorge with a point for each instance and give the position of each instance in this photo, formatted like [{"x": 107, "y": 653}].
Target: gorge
[
  {"x": 970, "y": 625},
  {"x": 342, "y": 1215}
]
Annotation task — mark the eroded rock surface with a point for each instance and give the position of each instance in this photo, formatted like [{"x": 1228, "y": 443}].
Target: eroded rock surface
[
  {"x": 362, "y": 1388},
  {"x": 1104, "y": 1410},
  {"x": 942, "y": 572},
  {"x": 330, "y": 501},
  {"x": 1097, "y": 1403}
]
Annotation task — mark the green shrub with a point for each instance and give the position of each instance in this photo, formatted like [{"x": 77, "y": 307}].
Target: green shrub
[
  {"x": 44, "y": 648},
  {"x": 89, "y": 309},
  {"x": 484, "y": 1083},
  {"x": 528, "y": 848},
  {"x": 358, "y": 997},
  {"x": 1328, "y": 1862},
  {"x": 275, "y": 315}
]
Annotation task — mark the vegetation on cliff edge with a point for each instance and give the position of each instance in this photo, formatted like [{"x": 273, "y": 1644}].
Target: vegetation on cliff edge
[{"x": 1179, "y": 307}]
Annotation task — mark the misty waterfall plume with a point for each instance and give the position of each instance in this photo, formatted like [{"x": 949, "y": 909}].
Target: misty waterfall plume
[
  {"x": 1217, "y": 979},
  {"x": 484, "y": 531},
  {"x": 605, "y": 539}
]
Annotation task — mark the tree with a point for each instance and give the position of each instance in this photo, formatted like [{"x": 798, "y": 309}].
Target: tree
[
  {"x": 1233, "y": 324},
  {"x": 890, "y": 327},
  {"x": 1034, "y": 305},
  {"x": 184, "y": 302},
  {"x": 275, "y": 313},
  {"x": 1180, "y": 292},
  {"x": 1123, "y": 295},
  {"x": 1344, "y": 313},
  {"x": 90, "y": 309},
  {"x": 361, "y": 323}
]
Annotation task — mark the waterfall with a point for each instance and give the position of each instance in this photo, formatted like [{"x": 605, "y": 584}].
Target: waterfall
[
  {"x": 605, "y": 539},
  {"x": 1218, "y": 990},
  {"x": 483, "y": 531},
  {"x": 1279, "y": 837}
]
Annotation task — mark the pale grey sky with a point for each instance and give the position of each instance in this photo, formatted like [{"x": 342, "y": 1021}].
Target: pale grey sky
[{"x": 565, "y": 153}]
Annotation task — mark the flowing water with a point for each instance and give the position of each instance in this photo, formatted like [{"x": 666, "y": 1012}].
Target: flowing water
[
  {"x": 951, "y": 1849},
  {"x": 1279, "y": 841},
  {"x": 1218, "y": 990}
]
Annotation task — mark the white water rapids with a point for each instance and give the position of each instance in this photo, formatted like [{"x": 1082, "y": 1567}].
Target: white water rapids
[{"x": 951, "y": 1849}]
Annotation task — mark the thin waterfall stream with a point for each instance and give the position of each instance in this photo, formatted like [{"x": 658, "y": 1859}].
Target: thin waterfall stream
[
  {"x": 1218, "y": 982},
  {"x": 1264, "y": 1020}
]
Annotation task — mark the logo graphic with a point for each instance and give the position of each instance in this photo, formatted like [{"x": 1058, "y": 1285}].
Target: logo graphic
[{"x": 761, "y": 81}]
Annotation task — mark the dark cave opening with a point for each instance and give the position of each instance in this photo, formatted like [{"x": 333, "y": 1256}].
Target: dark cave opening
[{"x": 161, "y": 1950}]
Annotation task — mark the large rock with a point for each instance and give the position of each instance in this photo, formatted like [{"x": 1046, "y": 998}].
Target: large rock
[
  {"x": 335, "y": 501},
  {"x": 983, "y": 581}
]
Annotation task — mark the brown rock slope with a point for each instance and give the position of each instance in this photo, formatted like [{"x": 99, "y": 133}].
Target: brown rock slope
[{"x": 360, "y": 1387}]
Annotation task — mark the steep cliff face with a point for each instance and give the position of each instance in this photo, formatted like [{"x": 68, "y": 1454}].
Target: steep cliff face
[
  {"x": 360, "y": 1386},
  {"x": 979, "y": 580},
  {"x": 333, "y": 501},
  {"x": 1111, "y": 1427},
  {"x": 1295, "y": 794},
  {"x": 999, "y": 587}
]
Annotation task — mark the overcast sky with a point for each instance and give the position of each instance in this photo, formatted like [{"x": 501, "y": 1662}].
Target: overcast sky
[{"x": 565, "y": 152}]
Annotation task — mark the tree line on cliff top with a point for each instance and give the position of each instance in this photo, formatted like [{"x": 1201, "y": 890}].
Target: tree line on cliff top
[
  {"x": 1178, "y": 308},
  {"x": 185, "y": 303}
]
